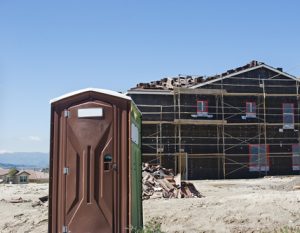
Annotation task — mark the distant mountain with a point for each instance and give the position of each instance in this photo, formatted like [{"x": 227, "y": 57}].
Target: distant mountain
[
  {"x": 24, "y": 160},
  {"x": 7, "y": 165}
]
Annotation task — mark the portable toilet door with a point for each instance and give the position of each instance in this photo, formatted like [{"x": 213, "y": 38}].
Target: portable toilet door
[{"x": 89, "y": 162}]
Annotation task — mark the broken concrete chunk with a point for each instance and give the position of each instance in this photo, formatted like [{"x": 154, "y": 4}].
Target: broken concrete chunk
[{"x": 160, "y": 182}]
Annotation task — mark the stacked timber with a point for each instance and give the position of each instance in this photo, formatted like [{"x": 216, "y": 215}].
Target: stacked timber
[{"x": 159, "y": 182}]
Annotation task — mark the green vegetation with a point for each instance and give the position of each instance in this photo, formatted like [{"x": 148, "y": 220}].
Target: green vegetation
[
  {"x": 153, "y": 226},
  {"x": 12, "y": 172}
]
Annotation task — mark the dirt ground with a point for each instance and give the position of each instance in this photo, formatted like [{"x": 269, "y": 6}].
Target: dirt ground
[
  {"x": 27, "y": 216},
  {"x": 256, "y": 205}
]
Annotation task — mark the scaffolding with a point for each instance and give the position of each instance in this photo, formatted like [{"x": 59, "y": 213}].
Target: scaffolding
[{"x": 224, "y": 111}]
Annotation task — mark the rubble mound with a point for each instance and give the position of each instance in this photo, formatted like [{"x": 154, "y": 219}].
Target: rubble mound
[{"x": 159, "y": 182}]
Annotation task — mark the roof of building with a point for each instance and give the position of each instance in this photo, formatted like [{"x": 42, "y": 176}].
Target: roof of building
[
  {"x": 102, "y": 91},
  {"x": 37, "y": 175},
  {"x": 251, "y": 66},
  {"x": 33, "y": 175},
  {"x": 193, "y": 82},
  {"x": 21, "y": 172},
  {"x": 3, "y": 171}
]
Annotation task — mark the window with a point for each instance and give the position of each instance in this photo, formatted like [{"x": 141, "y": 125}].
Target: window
[
  {"x": 251, "y": 109},
  {"x": 288, "y": 115},
  {"x": 296, "y": 157},
  {"x": 23, "y": 179},
  {"x": 258, "y": 157},
  {"x": 202, "y": 107}
]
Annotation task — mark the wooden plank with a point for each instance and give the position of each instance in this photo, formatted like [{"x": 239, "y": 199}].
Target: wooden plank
[
  {"x": 199, "y": 122},
  {"x": 259, "y": 94},
  {"x": 199, "y": 91},
  {"x": 156, "y": 122}
]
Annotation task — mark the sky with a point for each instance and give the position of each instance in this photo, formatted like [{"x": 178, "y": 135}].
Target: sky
[{"x": 49, "y": 48}]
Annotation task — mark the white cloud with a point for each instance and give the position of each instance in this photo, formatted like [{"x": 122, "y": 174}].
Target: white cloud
[
  {"x": 34, "y": 138},
  {"x": 5, "y": 151},
  {"x": 31, "y": 138}
]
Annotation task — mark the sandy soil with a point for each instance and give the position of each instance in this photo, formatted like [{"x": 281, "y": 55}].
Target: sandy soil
[
  {"x": 27, "y": 216},
  {"x": 256, "y": 205}
]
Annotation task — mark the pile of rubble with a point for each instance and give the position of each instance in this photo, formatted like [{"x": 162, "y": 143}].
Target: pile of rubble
[
  {"x": 187, "y": 81},
  {"x": 172, "y": 82},
  {"x": 160, "y": 182}
]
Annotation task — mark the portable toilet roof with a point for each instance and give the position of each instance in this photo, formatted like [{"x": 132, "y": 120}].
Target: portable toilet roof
[{"x": 90, "y": 89}]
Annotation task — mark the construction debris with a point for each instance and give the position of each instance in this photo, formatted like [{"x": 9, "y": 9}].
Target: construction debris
[
  {"x": 160, "y": 182},
  {"x": 18, "y": 200},
  {"x": 171, "y": 82},
  {"x": 43, "y": 199},
  {"x": 187, "y": 81}
]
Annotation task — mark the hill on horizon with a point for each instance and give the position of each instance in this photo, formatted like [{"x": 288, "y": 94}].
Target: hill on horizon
[{"x": 24, "y": 160}]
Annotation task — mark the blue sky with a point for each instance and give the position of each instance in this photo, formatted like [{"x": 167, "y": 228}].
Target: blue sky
[{"x": 48, "y": 48}]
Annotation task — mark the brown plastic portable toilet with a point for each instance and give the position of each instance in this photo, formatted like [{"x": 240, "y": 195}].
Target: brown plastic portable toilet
[{"x": 89, "y": 162}]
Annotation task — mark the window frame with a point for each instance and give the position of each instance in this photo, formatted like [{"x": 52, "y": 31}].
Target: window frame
[
  {"x": 285, "y": 124},
  {"x": 23, "y": 179},
  {"x": 258, "y": 167},
  {"x": 204, "y": 110},
  {"x": 253, "y": 105}
]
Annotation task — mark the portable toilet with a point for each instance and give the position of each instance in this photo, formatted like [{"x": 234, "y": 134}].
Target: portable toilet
[{"x": 95, "y": 163}]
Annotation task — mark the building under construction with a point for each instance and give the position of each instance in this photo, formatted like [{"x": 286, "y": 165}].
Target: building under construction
[{"x": 242, "y": 123}]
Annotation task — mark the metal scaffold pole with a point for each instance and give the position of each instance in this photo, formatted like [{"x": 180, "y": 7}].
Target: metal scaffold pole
[
  {"x": 223, "y": 132},
  {"x": 218, "y": 135},
  {"x": 175, "y": 131},
  {"x": 265, "y": 125},
  {"x": 160, "y": 135},
  {"x": 222, "y": 138}
]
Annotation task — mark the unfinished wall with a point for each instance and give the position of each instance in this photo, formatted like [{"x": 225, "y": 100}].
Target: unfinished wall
[{"x": 223, "y": 141}]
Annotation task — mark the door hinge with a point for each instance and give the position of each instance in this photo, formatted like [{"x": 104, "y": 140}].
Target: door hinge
[
  {"x": 65, "y": 229},
  {"x": 66, "y": 113},
  {"x": 66, "y": 170}
]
